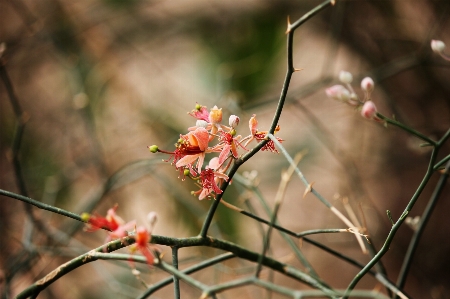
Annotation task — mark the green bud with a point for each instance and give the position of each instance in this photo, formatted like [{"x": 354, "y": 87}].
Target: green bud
[
  {"x": 186, "y": 172},
  {"x": 153, "y": 148},
  {"x": 198, "y": 107}
]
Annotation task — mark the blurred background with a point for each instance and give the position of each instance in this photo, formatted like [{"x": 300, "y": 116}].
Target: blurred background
[{"x": 99, "y": 81}]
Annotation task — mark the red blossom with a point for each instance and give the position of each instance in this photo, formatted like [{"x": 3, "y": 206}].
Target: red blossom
[
  {"x": 112, "y": 222},
  {"x": 142, "y": 239},
  {"x": 270, "y": 145}
]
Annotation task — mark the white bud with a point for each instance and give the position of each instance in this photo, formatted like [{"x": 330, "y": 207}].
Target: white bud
[
  {"x": 151, "y": 218},
  {"x": 367, "y": 84},
  {"x": 234, "y": 121},
  {"x": 338, "y": 92},
  {"x": 345, "y": 77},
  {"x": 201, "y": 123},
  {"x": 437, "y": 46}
]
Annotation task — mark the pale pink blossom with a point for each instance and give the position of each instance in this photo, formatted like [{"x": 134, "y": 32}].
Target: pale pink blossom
[
  {"x": 233, "y": 121},
  {"x": 338, "y": 92},
  {"x": 367, "y": 84},
  {"x": 369, "y": 110}
]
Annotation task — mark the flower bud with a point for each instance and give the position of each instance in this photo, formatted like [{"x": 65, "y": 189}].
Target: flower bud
[
  {"x": 201, "y": 123},
  {"x": 367, "y": 84},
  {"x": 345, "y": 77},
  {"x": 215, "y": 115},
  {"x": 253, "y": 124},
  {"x": 234, "y": 121},
  {"x": 437, "y": 46},
  {"x": 153, "y": 148},
  {"x": 369, "y": 110},
  {"x": 338, "y": 92},
  {"x": 151, "y": 218}
]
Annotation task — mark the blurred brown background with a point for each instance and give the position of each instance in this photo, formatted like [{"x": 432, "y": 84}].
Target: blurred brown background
[{"x": 101, "y": 80}]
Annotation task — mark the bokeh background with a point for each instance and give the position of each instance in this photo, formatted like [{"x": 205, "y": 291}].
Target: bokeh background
[{"x": 99, "y": 81}]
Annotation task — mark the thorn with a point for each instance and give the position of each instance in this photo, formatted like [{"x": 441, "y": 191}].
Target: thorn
[
  {"x": 288, "y": 25},
  {"x": 333, "y": 2},
  {"x": 308, "y": 189},
  {"x": 297, "y": 70}
]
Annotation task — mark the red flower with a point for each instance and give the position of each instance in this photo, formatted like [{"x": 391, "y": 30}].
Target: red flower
[
  {"x": 142, "y": 240},
  {"x": 117, "y": 227}
]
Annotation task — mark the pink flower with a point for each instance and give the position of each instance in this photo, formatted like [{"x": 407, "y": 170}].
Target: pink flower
[
  {"x": 208, "y": 120},
  {"x": 260, "y": 136},
  {"x": 200, "y": 112},
  {"x": 228, "y": 143},
  {"x": 210, "y": 178},
  {"x": 194, "y": 147},
  {"x": 369, "y": 110}
]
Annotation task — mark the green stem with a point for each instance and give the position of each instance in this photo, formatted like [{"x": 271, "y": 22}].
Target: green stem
[
  {"x": 440, "y": 163},
  {"x": 195, "y": 268},
  {"x": 422, "y": 224},
  {"x": 395, "y": 227},
  {"x": 406, "y": 128},
  {"x": 176, "y": 282},
  {"x": 41, "y": 205}
]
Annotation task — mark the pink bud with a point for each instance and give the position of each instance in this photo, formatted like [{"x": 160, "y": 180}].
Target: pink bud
[
  {"x": 338, "y": 92},
  {"x": 437, "y": 46},
  {"x": 234, "y": 121},
  {"x": 367, "y": 84},
  {"x": 369, "y": 110}
]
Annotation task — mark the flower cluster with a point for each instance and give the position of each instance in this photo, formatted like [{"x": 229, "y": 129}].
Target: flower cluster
[
  {"x": 118, "y": 229},
  {"x": 347, "y": 95},
  {"x": 210, "y": 136}
]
